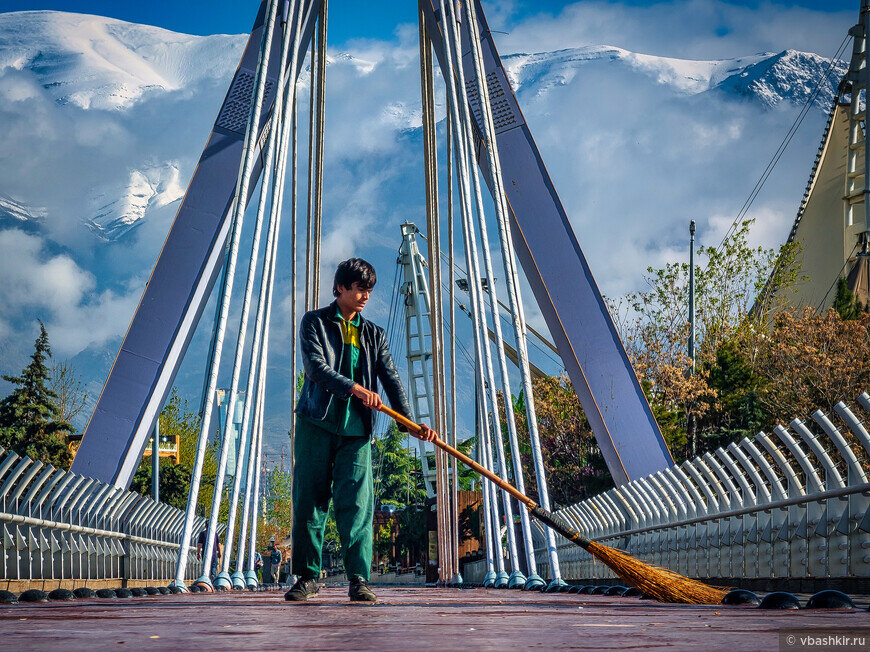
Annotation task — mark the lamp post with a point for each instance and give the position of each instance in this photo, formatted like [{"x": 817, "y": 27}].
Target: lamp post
[
  {"x": 155, "y": 462},
  {"x": 690, "y": 421}
]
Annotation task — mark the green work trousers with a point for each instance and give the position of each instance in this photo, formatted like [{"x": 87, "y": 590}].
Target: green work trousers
[{"x": 333, "y": 466}]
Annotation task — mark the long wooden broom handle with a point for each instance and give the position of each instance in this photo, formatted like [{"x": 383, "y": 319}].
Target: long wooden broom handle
[
  {"x": 536, "y": 510},
  {"x": 415, "y": 429}
]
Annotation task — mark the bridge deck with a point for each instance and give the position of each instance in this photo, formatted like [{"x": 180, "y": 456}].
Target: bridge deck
[{"x": 404, "y": 618}]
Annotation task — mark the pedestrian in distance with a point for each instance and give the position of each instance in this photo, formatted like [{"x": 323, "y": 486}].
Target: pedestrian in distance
[
  {"x": 275, "y": 557},
  {"x": 217, "y": 551}
]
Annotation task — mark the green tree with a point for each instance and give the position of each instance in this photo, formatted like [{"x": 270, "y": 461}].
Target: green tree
[
  {"x": 277, "y": 518},
  {"x": 734, "y": 299},
  {"x": 573, "y": 462},
  {"x": 845, "y": 301},
  {"x": 413, "y": 537},
  {"x": 71, "y": 395},
  {"x": 30, "y": 421},
  {"x": 178, "y": 422},
  {"x": 174, "y": 482},
  {"x": 468, "y": 478},
  {"x": 398, "y": 476},
  {"x": 738, "y": 410}
]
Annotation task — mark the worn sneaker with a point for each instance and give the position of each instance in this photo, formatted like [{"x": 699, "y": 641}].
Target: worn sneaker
[
  {"x": 302, "y": 590},
  {"x": 359, "y": 590}
]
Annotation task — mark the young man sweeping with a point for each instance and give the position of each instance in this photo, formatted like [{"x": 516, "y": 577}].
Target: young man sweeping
[{"x": 344, "y": 357}]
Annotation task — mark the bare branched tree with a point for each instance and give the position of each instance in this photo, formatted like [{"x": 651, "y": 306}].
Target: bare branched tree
[{"x": 71, "y": 395}]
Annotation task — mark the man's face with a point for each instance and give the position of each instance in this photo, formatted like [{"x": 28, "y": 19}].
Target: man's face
[{"x": 353, "y": 298}]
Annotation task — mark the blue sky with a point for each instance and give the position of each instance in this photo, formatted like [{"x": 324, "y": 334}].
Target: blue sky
[{"x": 349, "y": 19}]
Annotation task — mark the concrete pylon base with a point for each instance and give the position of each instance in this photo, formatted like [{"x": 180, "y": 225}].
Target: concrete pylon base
[
  {"x": 223, "y": 579},
  {"x": 555, "y": 586},
  {"x": 517, "y": 580},
  {"x": 534, "y": 583},
  {"x": 501, "y": 580}
]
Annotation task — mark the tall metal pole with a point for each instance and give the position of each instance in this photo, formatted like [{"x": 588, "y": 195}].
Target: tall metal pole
[
  {"x": 692, "y": 294},
  {"x": 690, "y": 422},
  {"x": 155, "y": 462}
]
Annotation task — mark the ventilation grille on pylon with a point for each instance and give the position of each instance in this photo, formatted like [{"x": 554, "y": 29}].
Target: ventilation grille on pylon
[
  {"x": 234, "y": 113},
  {"x": 503, "y": 114}
]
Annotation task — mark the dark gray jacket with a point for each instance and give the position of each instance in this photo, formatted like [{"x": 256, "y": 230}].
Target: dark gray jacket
[{"x": 322, "y": 346}]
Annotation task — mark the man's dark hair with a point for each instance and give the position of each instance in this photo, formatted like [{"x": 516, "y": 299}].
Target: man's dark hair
[{"x": 354, "y": 270}]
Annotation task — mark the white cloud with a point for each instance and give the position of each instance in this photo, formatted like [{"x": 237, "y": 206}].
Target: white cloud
[
  {"x": 693, "y": 29},
  {"x": 54, "y": 288}
]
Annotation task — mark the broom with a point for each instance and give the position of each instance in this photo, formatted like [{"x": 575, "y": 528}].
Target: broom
[{"x": 658, "y": 583}]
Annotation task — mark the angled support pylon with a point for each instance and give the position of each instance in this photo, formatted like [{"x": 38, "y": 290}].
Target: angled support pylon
[
  {"x": 561, "y": 280},
  {"x": 181, "y": 282}
]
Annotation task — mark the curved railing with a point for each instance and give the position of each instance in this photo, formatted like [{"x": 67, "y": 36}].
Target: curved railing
[
  {"x": 57, "y": 525},
  {"x": 794, "y": 504}
]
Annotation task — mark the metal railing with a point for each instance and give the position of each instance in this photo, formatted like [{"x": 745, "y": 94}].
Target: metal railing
[
  {"x": 56, "y": 525},
  {"x": 791, "y": 504}
]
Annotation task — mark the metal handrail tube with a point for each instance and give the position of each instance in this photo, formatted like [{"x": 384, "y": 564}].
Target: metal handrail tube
[
  {"x": 799, "y": 500},
  {"x": 833, "y": 479},
  {"x": 712, "y": 502},
  {"x": 853, "y": 422},
  {"x": 761, "y": 493},
  {"x": 810, "y": 472},
  {"x": 25, "y": 481},
  {"x": 777, "y": 491},
  {"x": 81, "y": 529},
  {"x": 793, "y": 482},
  {"x": 856, "y": 472},
  {"x": 47, "y": 473},
  {"x": 720, "y": 480}
]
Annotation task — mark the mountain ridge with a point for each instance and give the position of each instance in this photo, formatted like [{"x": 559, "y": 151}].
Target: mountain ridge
[{"x": 90, "y": 62}]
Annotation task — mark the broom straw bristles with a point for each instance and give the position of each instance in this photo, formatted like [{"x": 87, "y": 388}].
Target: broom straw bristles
[{"x": 658, "y": 583}]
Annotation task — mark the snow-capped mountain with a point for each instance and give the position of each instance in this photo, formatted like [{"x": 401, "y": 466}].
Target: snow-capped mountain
[
  {"x": 770, "y": 78},
  {"x": 787, "y": 76},
  {"x": 118, "y": 209},
  {"x": 93, "y": 62},
  {"x": 17, "y": 212}
]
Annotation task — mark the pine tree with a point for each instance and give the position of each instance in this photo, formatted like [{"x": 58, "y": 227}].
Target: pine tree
[
  {"x": 398, "y": 474},
  {"x": 30, "y": 422},
  {"x": 845, "y": 301}
]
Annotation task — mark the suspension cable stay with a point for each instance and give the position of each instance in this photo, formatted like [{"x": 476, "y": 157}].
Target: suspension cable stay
[
  {"x": 226, "y": 439},
  {"x": 237, "y": 217},
  {"x": 513, "y": 286},
  {"x": 451, "y": 281},
  {"x": 320, "y": 112},
  {"x": 482, "y": 352},
  {"x": 493, "y": 303},
  {"x": 312, "y": 130}
]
